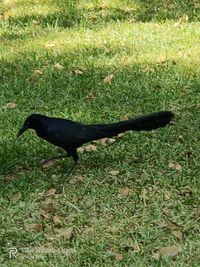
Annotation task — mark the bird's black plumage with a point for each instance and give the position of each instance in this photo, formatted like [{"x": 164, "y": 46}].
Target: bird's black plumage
[{"x": 70, "y": 135}]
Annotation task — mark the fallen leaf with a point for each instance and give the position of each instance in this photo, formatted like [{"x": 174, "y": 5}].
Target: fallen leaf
[
  {"x": 108, "y": 79},
  {"x": 178, "y": 234},
  {"x": 56, "y": 220},
  {"x": 36, "y": 227},
  {"x": 175, "y": 166},
  {"x": 136, "y": 247},
  {"x": 156, "y": 255},
  {"x": 178, "y": 166},
  {"x": 10, "y": 105},
  {"x": 111, "y": 140},
  {"x": 49, "y": 206},
  {"x": 184, "y": 19},
  {"x": 45, "y": 216},
  {"x": 16, "y": 197},
  {"x": 81, "y": 149},
  {"x": 58, "y": 66},
  {"x": 185, "y": 192},
  {"x": 125, "y": 117},
  {"x": 90, "y": 148},
  {"x": 124, "y": 192},
  {"x": 77, "y": 180},
  {"x": 119, "y": 135},
  {"x": 65, "y": 234},
  {"x": 118, "y": 256},
  {"x": 38, "y": 72},
  {"x": 170, "y": 251},
  {"x": 90, "y": 96},
  {"x": 171, "y": 165},
  {"x": 166, "y": 251},
  {"x": 50, "y": 192},
  {"x": 46, "y": 164},
  {"x": 101, "y": 141},
  {"x": 114, "y": 172},
  {"x": 197, "y": 214},
  {"x": 104, "y": 141}
]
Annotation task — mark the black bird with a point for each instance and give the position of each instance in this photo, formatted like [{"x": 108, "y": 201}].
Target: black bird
[{"x": 70, "y": 135}]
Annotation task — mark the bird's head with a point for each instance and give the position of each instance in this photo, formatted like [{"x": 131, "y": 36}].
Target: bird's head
[{"x": 32, "y": 122}]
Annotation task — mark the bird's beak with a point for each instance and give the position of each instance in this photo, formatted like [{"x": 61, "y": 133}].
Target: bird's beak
[{"x": 22, "y": 130}]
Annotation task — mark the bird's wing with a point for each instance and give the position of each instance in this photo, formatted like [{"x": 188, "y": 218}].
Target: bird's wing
[{"x": 72, "y": 134}]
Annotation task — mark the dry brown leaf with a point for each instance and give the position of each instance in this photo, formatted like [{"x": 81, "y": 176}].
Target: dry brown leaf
[
  {"x": 114, "y": 172},
  {"x": 90, "y": 96},
  {"x": 175, "y": 166},
  {"x": 184, "y": 19},
  {"x": 81, "y": 149},
  {"x": 170, "y": 251},
  {"x": 66, "y": 234},
  {"x": 136, "y": 247},
  {"x": 50, "y": 192},
  {"x": 124, "y": 192},
  {"x": 186, "y": 192},
  {"x": 156, "y": 255},
  {"x": 16, "y": 197},
  {"x": 171, "y": 165},
  {"x": 108, "y": 79},
  {"x": 38, "y": 72},
  {"x": 36, "y": 227},
  {"x": 105, "y": 141},
  {"x": 166, "y": 251},
  {"x": 10, "y": 105},
  {"x": 197, "y": 214},
  {"x": 90, "y": 148},
  {"x": 77, "y": 180},
  {"x": 124, "y": 118},
  {"x": 178, "y": 166},
  {"x": 111, "y": 140},
  {"x": 101, "y": 141},
  {"x": 178, "y": 234},
  {"x": 167, "y": 211},
  {"x": 118, "y": 256},
  {"x": 170, "y": 225},
  {"x": 45, "y": 216},
  {"x": 46, "y": 164},
  {"x": 56, "y": 220},
  {"x": 48, "y": 206},
  {"x": 58, "y": 66},
  {"x": 119, "y": 135}
]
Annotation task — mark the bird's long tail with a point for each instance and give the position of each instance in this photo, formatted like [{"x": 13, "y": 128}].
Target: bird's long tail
[{"x": 145, "y": 123}]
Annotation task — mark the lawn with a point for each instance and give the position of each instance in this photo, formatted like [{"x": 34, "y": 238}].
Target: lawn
[{"x": 133, "y": 200}]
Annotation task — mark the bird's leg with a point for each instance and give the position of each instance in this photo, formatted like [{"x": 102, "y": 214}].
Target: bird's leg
[{"x": 74, "y": 154}]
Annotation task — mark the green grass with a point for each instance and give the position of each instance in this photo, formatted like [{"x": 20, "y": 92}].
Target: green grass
[{"x": 155, "y": 62}]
